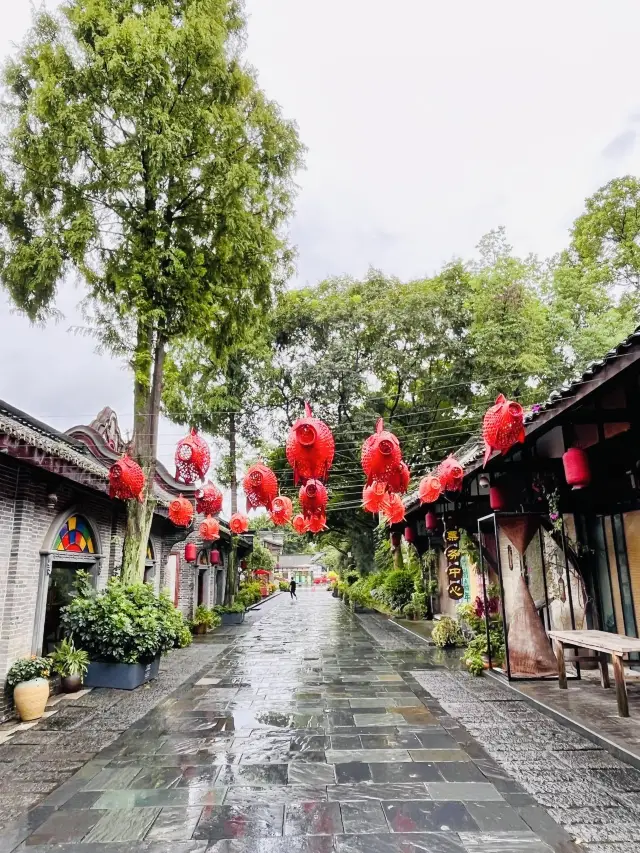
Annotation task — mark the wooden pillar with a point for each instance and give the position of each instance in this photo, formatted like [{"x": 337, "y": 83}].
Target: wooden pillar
[
  {"x": 558, "y": 648},
  {"x": 604, "y": 670},
  {"x": 621, "y": 687}
]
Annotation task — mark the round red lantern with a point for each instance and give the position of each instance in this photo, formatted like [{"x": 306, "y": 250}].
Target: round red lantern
[
  {"x": 281, "y": 510},
  {"x": 431, "y": 521},
  {"x": 393, "y": 509},
  {"x": 190, "y": 552},
  {"x": 260, "y": 486},
  {"x": 373, "y": 497},
  {"x": 398, "y": 479},
  {"x": 210, "y": 529},
  {"x": 126, "y": 479},
  {"x": 451, "y": 474},
  {"x": 408, "y": 534},
  {"x": 497, "y": 498},
  {"x": 238, "y": 523},
  {"x": 317, "y": 521},
  {"x": 430, "y": 489},
  {"x": 192, "y": 458},
  {"x": 181, "y": 512},
  {"x": 396, "y": 539},
  {"x": 208, "y": 499},
  {"x": 300, "y": 524},
  {"x": 313, "y": 497},
  {"x": 381, "y": 454},
  {"x": 576, "y": 468},
  {"x": 243, "y": 564},
  {"x": 214, "y": 557},
  {"x": 310, "y": 448}
]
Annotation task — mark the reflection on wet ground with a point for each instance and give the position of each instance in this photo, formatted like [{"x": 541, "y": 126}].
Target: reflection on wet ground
[{"x": 305, "y": 736}]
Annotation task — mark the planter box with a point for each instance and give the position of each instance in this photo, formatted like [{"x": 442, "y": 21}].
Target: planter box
[
  {"x": 121, "y": 676},
  {"x": 232, "y": 618}
]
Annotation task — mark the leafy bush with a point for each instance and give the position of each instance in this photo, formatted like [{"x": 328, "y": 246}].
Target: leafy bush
[
  {"x": 409, "y": 610},
  {"x": 398, "y": 588},
  {"x": 66, "y": 660},
  {"x": 260, "y": 558},
  {"x": 474, "y": 663},
  {"x": 125, "y": 623},
  {"x": 419, "y": 601},
  {"x": 236, "y": 607},
  {"x": 26, "y": 669},
  {"x": 446, "y": 633},
  {"x": 205, "y": 616},
  {"x": 249, "y": 594},
  {"x": 283, "y": 586},
  {"x": 183, "y": 637}
]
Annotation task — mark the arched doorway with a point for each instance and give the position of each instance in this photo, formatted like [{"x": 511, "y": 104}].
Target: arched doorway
[{"x": 73, "y": 546}]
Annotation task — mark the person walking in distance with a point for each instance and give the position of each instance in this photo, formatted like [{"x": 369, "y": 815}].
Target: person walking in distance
[{"x": 292, "y": 590}]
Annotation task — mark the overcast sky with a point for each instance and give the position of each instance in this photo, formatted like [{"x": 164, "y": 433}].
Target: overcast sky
[{"x": 428, "y": 123}]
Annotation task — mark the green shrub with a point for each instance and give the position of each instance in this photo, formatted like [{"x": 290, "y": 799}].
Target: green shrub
[
  {"x": 183, "y": 637},
  {"x": 124, "y": 623},
  {"x": 409, "y": 610},
  {"x": 283, "y": 586},
  {"x": 249, "y": 594},
  {"x": 398, "y": 588},
  {"x": 474, "y": 663},
  {"x": 26, "y": 669},
  {"x": 236, "y": 607},
  {"x": 205, "y": 616},
  {"x": 419, "y": 601},
  {"x": 66, "y": 660},
  {"x": 446, "y": 633}
]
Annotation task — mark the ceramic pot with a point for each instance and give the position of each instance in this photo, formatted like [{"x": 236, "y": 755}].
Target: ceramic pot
[
  {"x": 30, "y": 698},
  {"x": 71, "y": 683}
]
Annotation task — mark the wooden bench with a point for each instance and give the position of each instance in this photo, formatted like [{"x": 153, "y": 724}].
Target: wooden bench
[{"x": 604, "y": 643}]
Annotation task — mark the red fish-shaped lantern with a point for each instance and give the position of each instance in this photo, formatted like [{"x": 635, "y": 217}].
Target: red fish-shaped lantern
[
  {"x": 373, "y": 497},
  {"x": 393, "y": 509},
  {"x": 451, "y": 474},
  {"x": 310, "y": 448},
  {"x": 281, "y": 510},
  {"x": 503, "y": 426},
  {"x": 192, "y": 458},
  {"x": 381, "y": 454},
  {"x": 317, "y": 522},
  {"x": 313, "y": 497},
  {"x": 260, "y": 486},
  {"x": 430, "y": 489},
  {"x": 398, "y": 479},
  {"x": 126, "y": 479},
  {"x": 238, "y": 523},
  {"x": 300, "y": 524},
  {"x": 181, "y": 512},
  {"x": 208, "y": 499},
  {"x": 210, "y": 529}
]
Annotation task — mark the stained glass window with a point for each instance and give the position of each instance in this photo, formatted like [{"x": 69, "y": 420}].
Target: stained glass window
[{"x": 75, "y": 536}]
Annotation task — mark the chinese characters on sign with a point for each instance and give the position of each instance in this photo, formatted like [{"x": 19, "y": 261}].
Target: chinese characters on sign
[{"x": 454, "y": 568}]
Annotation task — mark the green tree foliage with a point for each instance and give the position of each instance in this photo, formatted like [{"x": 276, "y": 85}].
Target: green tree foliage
[{"x": 142, "y": 155}]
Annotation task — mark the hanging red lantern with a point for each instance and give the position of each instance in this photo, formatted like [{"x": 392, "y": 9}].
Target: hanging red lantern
[
  {"x": 393, "y": 509},
  {"x": 208, "y": 499},
  {"x": 243, "y": 565},
  {"x": 380, "y": 455},
  {"x": 576, "y": 468},
  {"x": 396, "y": 539},
  {"x": 497, "y": 498},
  {"x": 310, "y": 448},
  {"x": 398, "y": 479},
  {"x": 126, "y": 479},
  {"x": 281, "y": 510},
  {"x": 317, "y": 521},
  {"x": 431, "y": 521},
  {"x": 430, "y": 489},
  {"x": 210, "y": 529},
  {"x": 313, "y": 497},
  {"x": 373, "y": 497},
  {"x": 408, "y": 534},
  {"x": 181, "y": 512},
  {"x": 503, "y": 426},
  {"x": 260, "y": 486},
  {"x": 190, "y": 552},
  {"x": 214, "y": 557},
  {"x": 300, "y": 524},
  {"x": 451, "y": 474},
  {"x": 238, "y": 523},
  {"x": 192, "y": 458}
]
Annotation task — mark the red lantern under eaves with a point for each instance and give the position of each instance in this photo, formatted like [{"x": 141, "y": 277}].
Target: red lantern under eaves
[
  {"x": 214, "y": 557},
  {"x": 431, "y": 521},
  {"x": 497, "y": 498},
  {"x": 408, "y": 534},
  {"x": 576, "y": 468},
  {"x": 190, "y": 552},
  {"x": 181, "y": 512},
  {"x": 126, "y": 479},
  {"x": 192, "y": 458}
]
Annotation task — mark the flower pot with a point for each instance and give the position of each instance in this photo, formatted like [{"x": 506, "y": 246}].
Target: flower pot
[
  {"x": 71, "y": 683},
  {"x": 200, "y": 629},
  {"x": 121, "y": 676},
  {"x": 30, "y": 698},
  {"x": 232, "y": 618}
]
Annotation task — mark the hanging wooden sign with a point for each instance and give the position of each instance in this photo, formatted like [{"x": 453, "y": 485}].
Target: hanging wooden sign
[{"x": 454, "y": 567}]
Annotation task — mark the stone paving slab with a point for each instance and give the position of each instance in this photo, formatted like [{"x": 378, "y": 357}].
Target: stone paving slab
[{"x": 308, "y": 735}]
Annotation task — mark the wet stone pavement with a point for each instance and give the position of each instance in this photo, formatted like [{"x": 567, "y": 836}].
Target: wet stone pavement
[{"x": 306, "y": 735}]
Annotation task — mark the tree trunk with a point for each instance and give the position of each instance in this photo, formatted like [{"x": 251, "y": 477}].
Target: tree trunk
[
  {"x": 147, "y": 395},
  {"x": 230, "y": 588},
  {"x": 233, "y": 453}
]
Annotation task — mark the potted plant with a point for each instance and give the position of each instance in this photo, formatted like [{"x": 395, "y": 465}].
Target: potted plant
[
  {"x": 409, "y": 611},
  {"x": 70, "y": 664},
  {"x": 29, "y": 679},
  {"x": 124, "y": 629},
  {"x": 233, "y": 615},
  {"x": 204, "y": 620}
]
